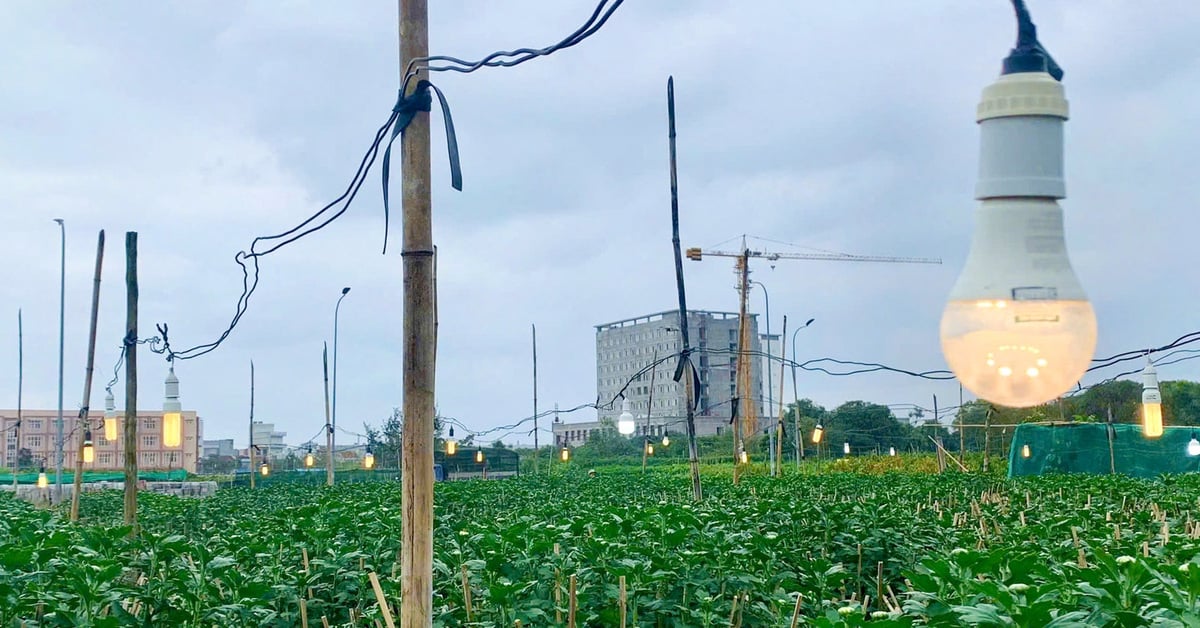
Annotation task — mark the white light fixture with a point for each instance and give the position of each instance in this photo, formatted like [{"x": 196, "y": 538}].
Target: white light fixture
[
  {"x": 110, "y": 417},
  {"x": 42, "y": 480},
  {"x": 172, "y": 426},
  {"x": 818, "y": 432},
  {"x": 1018, "y": 329},
  {"x": 1025, "y": 453},
  {"x": 625, "y": 420},
  {"x": 451, "y": 444},
  {"x": 891, "y": 451},
  {"x": 1193, "y": 446},
  {"x": 89, "y": 450},
  {"x": 1152, "y": 423},
  {"x": 666, "y": 440},
  {"x": 846, "y": 448}
]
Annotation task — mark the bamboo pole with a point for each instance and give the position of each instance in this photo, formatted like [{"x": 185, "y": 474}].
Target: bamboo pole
[
  {"x": 379, "y": 597},
  {"x": 778, "y": 470},
  {"x": 83, "y": 426},
  {"x": 466, "y": 585},
  {"x": 796, "y": 612},
  {"x": 622, "y": 601},
  {"x": 572, "y": 603},
  {"x": 131, "y": 327}
]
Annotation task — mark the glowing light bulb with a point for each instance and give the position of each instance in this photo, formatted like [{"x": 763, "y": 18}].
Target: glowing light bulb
[
  {"x": 110, "y": 417},
  {"x": 172, "y": 426},
  {"x": 369, "y": 460},
  {"x": 891, "y": 451},
  {"x": 566, "y": 454},
  {"x": 309, "y": 459},
  {"x": 666, "y": 440},
  {"x": 479, "y": 456},
  {"x": 649, "y": 449},
  {"x": 625, "y": 420},
  {"x": 744, "y": 457},
  {"x": 42, "y": 480},
  {"x": 1025, "y": 453},
  {"x": 1152, "y": 423},
  {"x": 846, "y": 448},
  {"x": 1193, "y": 446},
  {"x": 89, "y": 451},
  {"x": 1018, "y": 329},
  {"x": 265, "y": 470},
  {"x": 451, "y": 444},
  {"x": 818, "y": 432}
]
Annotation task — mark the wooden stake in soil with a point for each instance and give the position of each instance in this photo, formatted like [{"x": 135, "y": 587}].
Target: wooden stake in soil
[
  {"x": 621, "y": 600},
  {"x": 131, "y": 326},
  {"x": 303, "y": 613},
  {"x": 466, "y": 585},
  {"x": 796, "y": 612},
  {"x": 383, "y": 604},
  {"x": 879, "y": 581},
  {"x": 860, "y": 586},
  {"x": 572, "y": 602},
  {"x": 84, "y": 424}
]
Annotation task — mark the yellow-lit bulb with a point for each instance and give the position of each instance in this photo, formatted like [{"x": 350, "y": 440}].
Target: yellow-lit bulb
[
  {"x": 818, "y": 432},
  {"x": 566, "y": 454},
  {"x": 172, "y": 429},
  {"x": 1018, "y": 354},
  {"x": 43, "y": 481},
  {"x": 1152, "y": 423},
  {"x": 264, "y": 470},
  {"x": 309, "y": 459},
  {"x": 1025, "y": 453},
  {"x": 451, "y": 447},
  {"x": 479, "y": 455},
  {"x": 649, "y": 449},
  {"x": 110, "y": 429},
  {"x": 89, "y": 452},
  {"x": 666, "y": 440},
  {"x": 369, "y": 461},
  {"x": 744, "y": 457}
]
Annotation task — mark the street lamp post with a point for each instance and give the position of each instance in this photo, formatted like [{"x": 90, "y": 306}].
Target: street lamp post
[
  {"x": 333, "y": 426},
  {"x": 62, "y": 310},
  {"x": 770, "y": 382},
  {"x": 796, "y": 391}
]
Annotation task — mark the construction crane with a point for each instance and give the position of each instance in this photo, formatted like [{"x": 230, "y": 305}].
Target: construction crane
[{"x": 745, "y": 416}]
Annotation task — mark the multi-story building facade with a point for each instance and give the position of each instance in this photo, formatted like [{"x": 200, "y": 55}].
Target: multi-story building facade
[
  {"x": 221, "y": 448},
  {"x": 269, "y": 440},
  {"x": 39, "y": 434},
  {"x": 624, "y": 352}
]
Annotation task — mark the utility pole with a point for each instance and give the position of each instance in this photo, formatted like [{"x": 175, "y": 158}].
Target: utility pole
[
  {"x": 62, "y": 317},
  {"x": 962, "y": 433},
  {"x": 535, "y": 414},
  {"x": 778, "y": 469},
  {"x": 131, "y": 345},
  {"x": 744, "y": 415},
  {"x": 84, "y": 425},
  {"x": 20, "y": 390},
  {"x": 251, "y": 449},
  {"x": 649, "y": 411},
  {"x": 328, "y": 426},
  {"x": 684, "y": 367},
  {"x": 420, "y": 337}
]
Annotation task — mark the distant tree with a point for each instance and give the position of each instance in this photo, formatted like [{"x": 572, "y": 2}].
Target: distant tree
[
  {"x": 499, "y": 444},
  {"x": 1181, "y": 401}
]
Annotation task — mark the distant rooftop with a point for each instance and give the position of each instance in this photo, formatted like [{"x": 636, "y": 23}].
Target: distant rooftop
[{"x": 658, "y": 316}]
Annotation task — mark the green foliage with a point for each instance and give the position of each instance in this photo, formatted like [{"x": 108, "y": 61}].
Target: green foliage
[{"x": 953, "y": 549}]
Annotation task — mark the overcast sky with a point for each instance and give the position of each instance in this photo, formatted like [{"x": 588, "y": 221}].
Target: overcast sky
[{"x": 846, "y": 126}]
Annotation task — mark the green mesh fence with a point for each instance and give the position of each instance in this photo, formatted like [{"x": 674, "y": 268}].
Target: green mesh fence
[
  {"x": 178, "y": 475},
  {"x": 1085, "y": 448}
]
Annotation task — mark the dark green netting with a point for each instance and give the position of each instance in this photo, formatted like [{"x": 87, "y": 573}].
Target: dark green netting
[
  {"x": 1084, "y": 448},
  {"x": 178, "y": 475}
]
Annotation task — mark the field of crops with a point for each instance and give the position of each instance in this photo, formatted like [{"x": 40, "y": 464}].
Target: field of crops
[{"x": 888, "y": 550}]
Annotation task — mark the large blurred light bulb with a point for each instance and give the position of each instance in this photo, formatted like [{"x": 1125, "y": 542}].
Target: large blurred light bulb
[
  {"x": 1018, "y": 329},
  {"x": 110, "y": 417},
  {"x": 1152, "y": 423},
  {"x": 625, "y": 420},
  {"x": 818, "y": 432},
  {"x": 1193, "y": 446},
  {"x": 172, "y": 412}
]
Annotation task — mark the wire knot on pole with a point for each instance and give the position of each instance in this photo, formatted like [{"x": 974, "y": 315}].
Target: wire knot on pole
[{"x": 404, "y": 111}]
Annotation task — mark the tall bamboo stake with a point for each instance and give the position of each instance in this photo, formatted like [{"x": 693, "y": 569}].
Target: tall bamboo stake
[
  {"x": 131, "y": 327},
  {"x": 84, "y": 423}
]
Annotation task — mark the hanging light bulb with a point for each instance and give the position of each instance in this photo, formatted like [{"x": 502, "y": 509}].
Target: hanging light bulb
[
  {"x": 566, "y": 454},
  {"x": 1018, "y": 329},
  {"x": 1152, "y": 423},
  {"x": 744, "y": 457},
  {"x": 818, "y": 432},
  {"x": 42, "y": 480},
  {"x": 891, "y": 451},
  {"x": 1193, "y": 446},
  {"x": 369, "y": 460},
  {"x": 89, "y": 452},
  {"x": 309, "y": 459},
  {"x": 666, "y": 440},
  {"x": 110, "y": 417},
  {"x": 1025, "y": 453},
  {"x": 172, "y": 426},
  {"x": 846, "y": 448},
  {"x": 479, "y": 455},
  {"x": 649, "y": 449},
  {"x": 265, "y": 470},
  {"x": 451, "y": 444},
  {"x": 625, "y": 420}
]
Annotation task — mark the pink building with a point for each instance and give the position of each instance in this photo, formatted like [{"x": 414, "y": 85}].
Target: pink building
[{"x": 38, "y": 433}]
